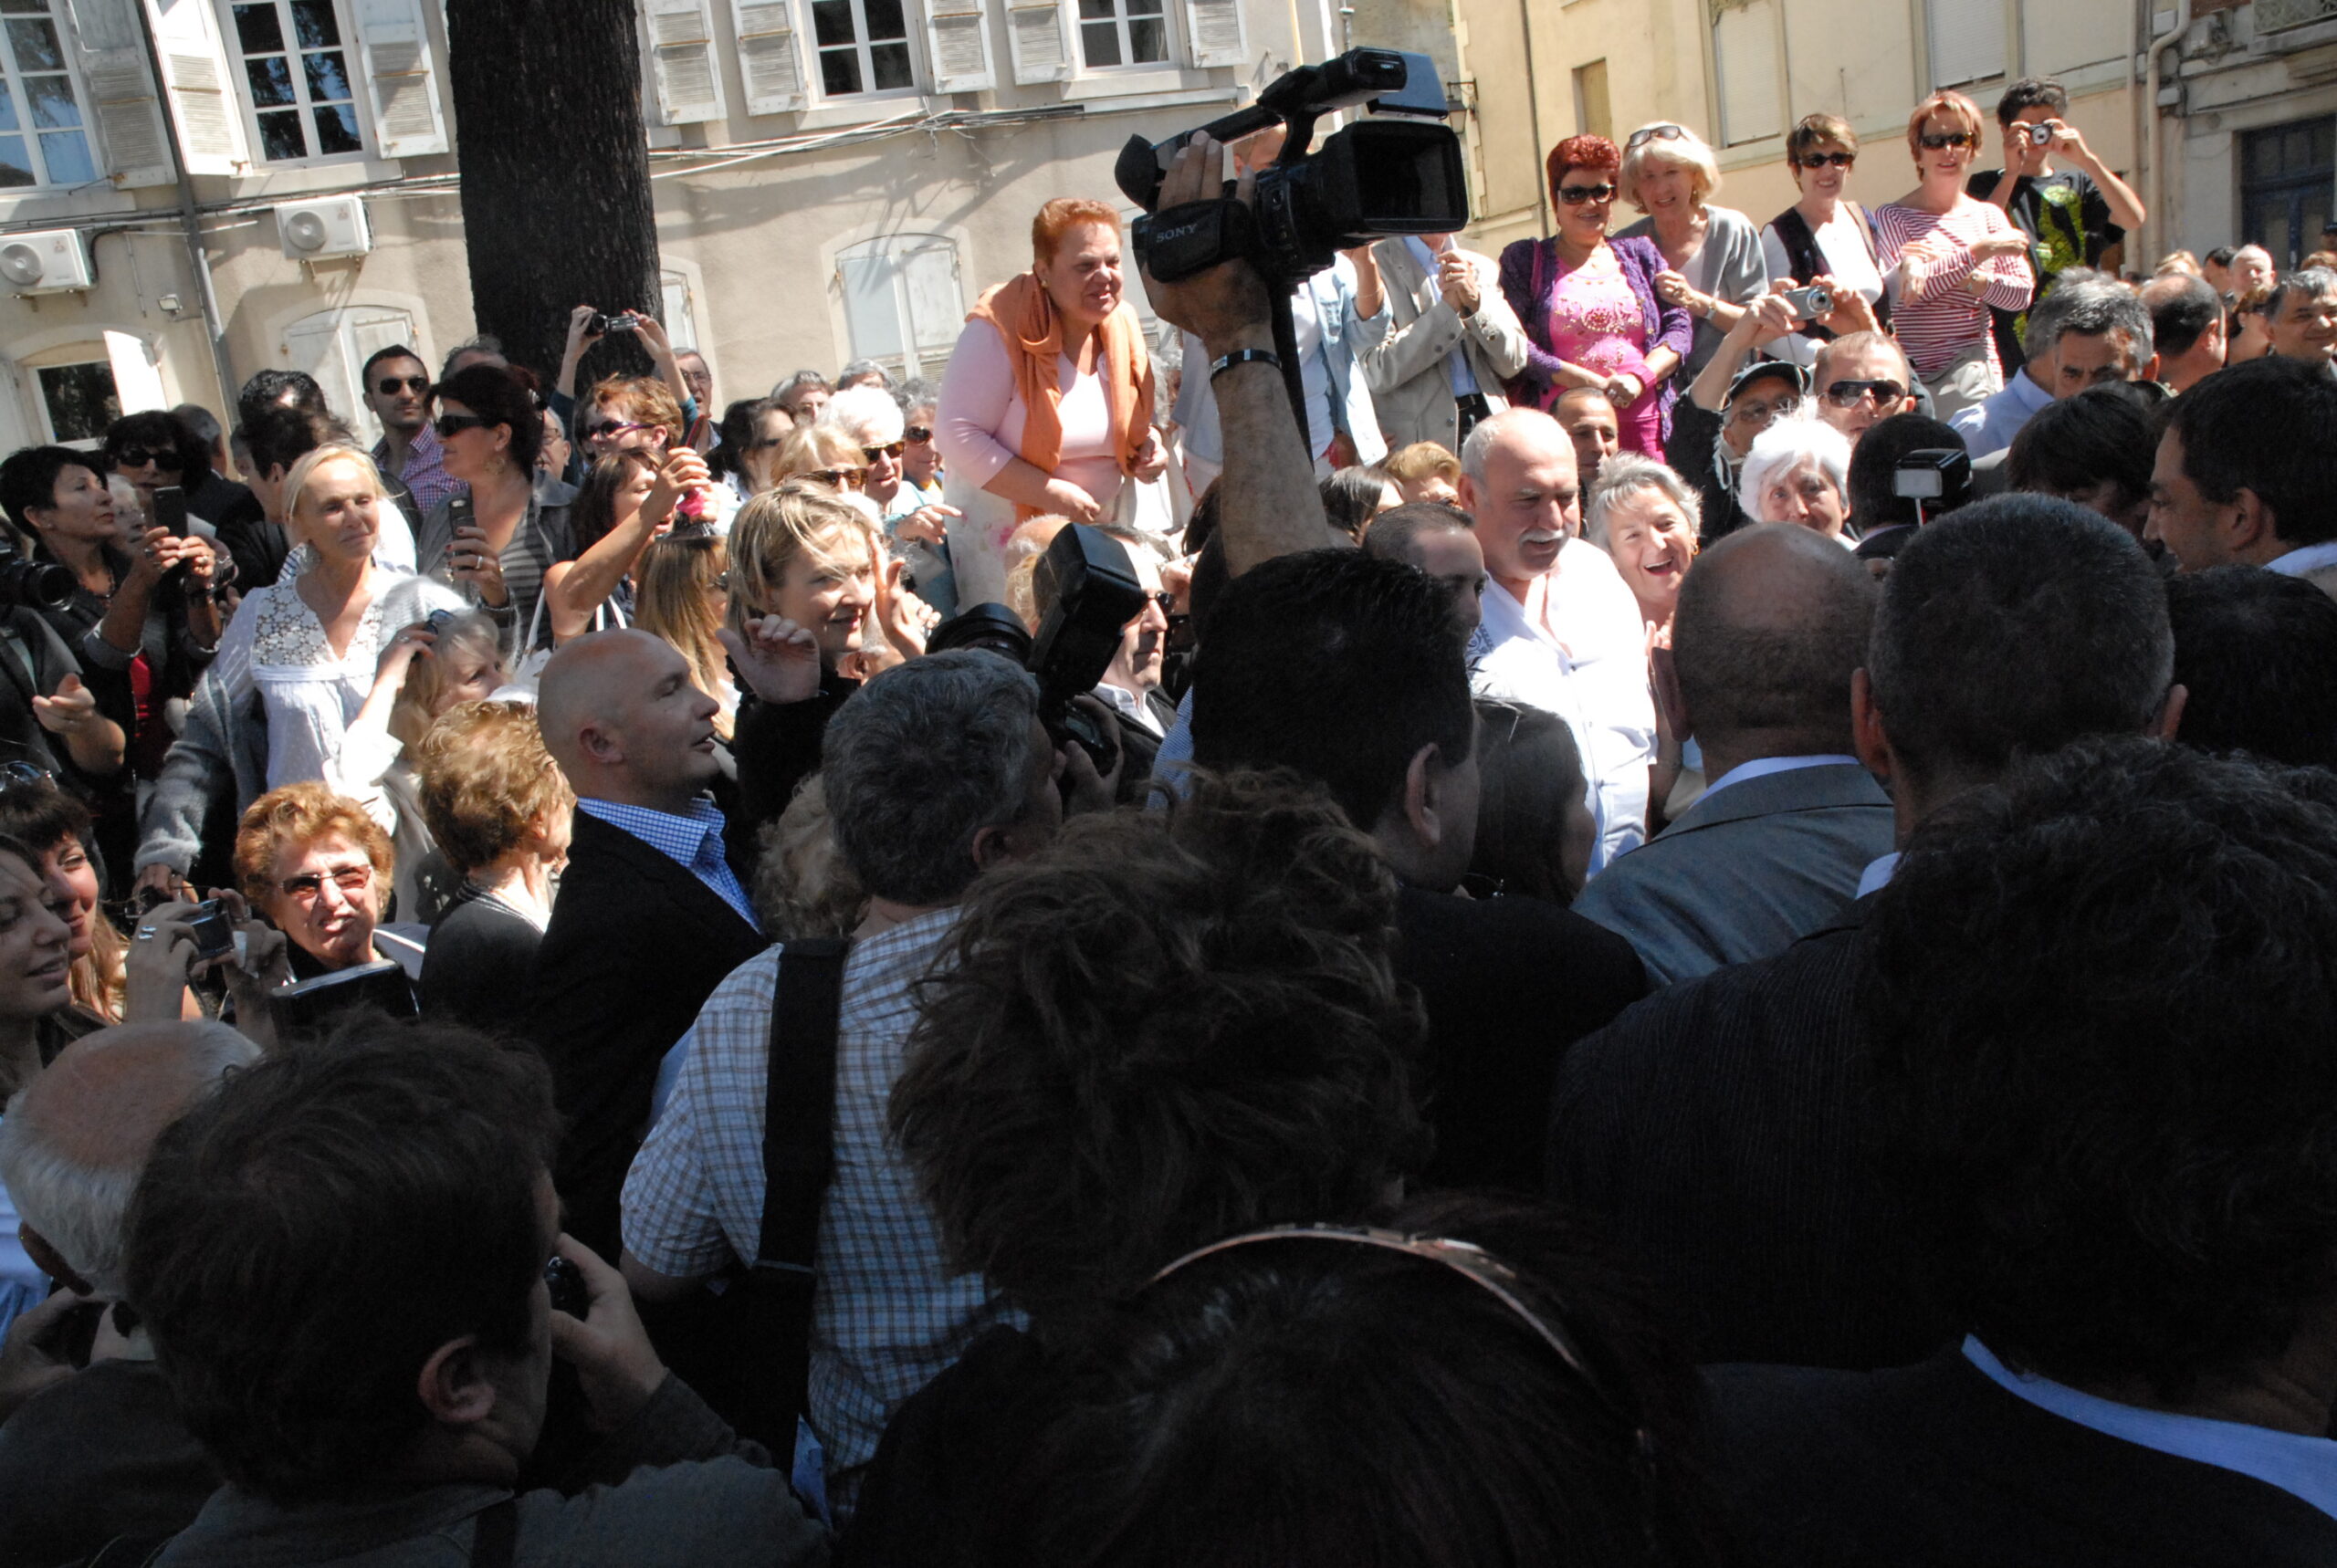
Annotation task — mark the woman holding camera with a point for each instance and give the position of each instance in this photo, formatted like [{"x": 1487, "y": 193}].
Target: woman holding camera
[
  {"x": 1592, "y": 315},
  {"x": 1949, "y": 258},
  {"x": 1824, "y": 240},
  {"x": 494, "y": 540}
]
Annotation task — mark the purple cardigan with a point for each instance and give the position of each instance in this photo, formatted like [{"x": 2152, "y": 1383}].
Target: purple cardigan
[{"x": 1669, "y": 326}]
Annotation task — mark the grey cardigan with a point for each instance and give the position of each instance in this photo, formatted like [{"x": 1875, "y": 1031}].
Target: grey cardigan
[{"x": 1730, "y": 266}]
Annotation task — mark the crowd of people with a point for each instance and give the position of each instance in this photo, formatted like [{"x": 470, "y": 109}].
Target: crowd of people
[{"x": 1685, "y": 913}]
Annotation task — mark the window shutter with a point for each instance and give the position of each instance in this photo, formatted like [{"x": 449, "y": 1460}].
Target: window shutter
[
  {"x": 872, "y": 307},
  {"x": 408, "y": 119},
  {"x": 766, "y": 58},
  {"x": 137, "y": 379},
  {"x": 1035, "y": 32},
  {"x": 120, "y": 90},
  {"x": 937, "y": 304},
  {"x": 681, "y": 42},
  {"x": 681, "y": 315},
  {"x": 1214, "y": 32},
  {"x": 195, "y": 75},
  {"x": 1744, "y": 59},
  {"x": 957, "y": 36},
  {"x": 1967, "y": 41}
]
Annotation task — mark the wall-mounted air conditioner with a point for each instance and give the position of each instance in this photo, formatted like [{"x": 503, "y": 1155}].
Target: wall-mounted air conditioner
[
  {"x": 49, "y": 262},
  {"x": 319, "y": 231}
]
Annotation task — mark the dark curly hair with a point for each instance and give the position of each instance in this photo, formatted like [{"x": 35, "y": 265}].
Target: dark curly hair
[
  {"x": 2101, "y": 1008},
  {"x": 1584, "y": 152},
  {"x": 1164, "y": 1028}
]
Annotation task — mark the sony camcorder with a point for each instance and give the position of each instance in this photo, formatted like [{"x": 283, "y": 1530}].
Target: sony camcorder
[{"x": 1398, "y": 171}]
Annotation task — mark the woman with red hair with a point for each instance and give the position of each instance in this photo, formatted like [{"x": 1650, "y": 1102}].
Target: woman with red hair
[
  {"x": 1590, "y": 304},
  {"x": 1047, "y": 403}
]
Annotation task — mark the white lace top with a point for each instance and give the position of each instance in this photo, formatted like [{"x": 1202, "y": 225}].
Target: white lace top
[{"x": 276, "y": 646}]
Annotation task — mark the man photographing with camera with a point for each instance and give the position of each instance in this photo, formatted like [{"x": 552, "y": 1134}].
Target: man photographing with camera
[{"x": 2072, "y": 216}]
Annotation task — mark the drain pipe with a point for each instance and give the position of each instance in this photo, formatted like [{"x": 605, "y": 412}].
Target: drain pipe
[{"x": 2146, "y": 137}]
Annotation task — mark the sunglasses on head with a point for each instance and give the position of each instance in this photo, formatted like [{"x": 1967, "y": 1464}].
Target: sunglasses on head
[
  {"x": 1846, "y": 394},
  {"x": 450, "y": 426},
  {"x": 1819, "y": 160},
  {"x": 874, "y": 452},
  {"x": 1646, "y": 134},
  {"x": 916, "y": 435},
  {"x": 23, "y": 775},
  {"x": 1575, "y": 196},
  {"x": 139, "y": 456},
  {"x": 389, "y": 386},
  {"x": 1933, "y": 140}
]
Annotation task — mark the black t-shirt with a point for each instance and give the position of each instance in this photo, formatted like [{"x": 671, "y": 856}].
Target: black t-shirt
[{"x": 2067, "y": 220}]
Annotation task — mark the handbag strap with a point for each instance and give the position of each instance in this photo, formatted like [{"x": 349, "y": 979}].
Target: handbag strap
[{"x": 799, "y": 1100}]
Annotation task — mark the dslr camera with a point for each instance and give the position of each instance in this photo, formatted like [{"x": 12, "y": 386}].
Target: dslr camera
[
  {"x": 1397, "y": 171},
  {"x": 32, "y": 584},
  {"x": 1093, "y": 591}
]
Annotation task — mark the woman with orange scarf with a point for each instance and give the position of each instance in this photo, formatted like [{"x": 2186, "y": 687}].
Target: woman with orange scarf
[{"x": 1047, "y": 404}]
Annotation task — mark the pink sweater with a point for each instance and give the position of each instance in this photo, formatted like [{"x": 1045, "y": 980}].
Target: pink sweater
[{"x": 980, "y": 427}]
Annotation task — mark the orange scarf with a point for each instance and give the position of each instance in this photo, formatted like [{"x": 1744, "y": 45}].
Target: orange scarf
[{"x": 1025, "y": 318}]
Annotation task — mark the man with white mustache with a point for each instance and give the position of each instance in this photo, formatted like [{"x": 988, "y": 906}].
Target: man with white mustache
[{"x": 1560, "y": 631}]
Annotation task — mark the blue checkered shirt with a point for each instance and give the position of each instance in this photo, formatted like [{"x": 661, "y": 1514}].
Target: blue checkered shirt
[
  {"x": 692, "y": 842},
  {"x": 888, "y": 1316}
]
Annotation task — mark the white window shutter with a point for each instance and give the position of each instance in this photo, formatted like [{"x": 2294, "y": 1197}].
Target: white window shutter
[
  {"x": 768, "y": 62},
  {"x": 198, "y": 79},
  {"x": 1746, "y": 60},
  {"x": 872, "y": 306},
  {"x": 137, "y": 379},
  {"x": 681, "y": 45},
  {"x": 957, "y": 35},
  {"x": 1967, "y": 41},
  {"x": 1036, "y": 33},
  {"x": 1214, "y": 32},
  {"x": 122, "y": 102},
  {"x": 681, "y": 311},
  {"x": 936, "y": 303},
  {"x": 408, "y": 119}
]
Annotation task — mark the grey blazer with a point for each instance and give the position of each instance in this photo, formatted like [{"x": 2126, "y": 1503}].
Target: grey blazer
[
  {"x": 1745, "y": 873},
  {"x": 1405, "y": 370}
]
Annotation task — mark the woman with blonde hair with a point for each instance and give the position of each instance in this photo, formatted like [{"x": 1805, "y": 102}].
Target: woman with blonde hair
[
  {"x": 297, "y": 666},
  {"x": 685, "y": 598},
  {"x": 1711, "y": 255}
]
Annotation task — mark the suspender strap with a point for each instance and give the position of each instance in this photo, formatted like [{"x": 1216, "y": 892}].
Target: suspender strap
[{"x": 799, "y": 1104}]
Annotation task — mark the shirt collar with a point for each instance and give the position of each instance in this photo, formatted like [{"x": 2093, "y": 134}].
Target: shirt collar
[
  {"x": 2304, "y": 558},
  {"x": 1762, "y": 766},
  {"x": 1128, "y": 705},
  {"x": 1878, "y": 874}
]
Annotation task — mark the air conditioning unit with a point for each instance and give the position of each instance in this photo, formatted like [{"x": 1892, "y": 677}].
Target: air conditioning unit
[
  {"x": 319, "y": 231},
  {"x": 49, "y": 262}
]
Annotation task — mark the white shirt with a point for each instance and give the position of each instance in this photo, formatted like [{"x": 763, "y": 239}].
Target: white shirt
[
  {"x": 1578, "y": 649},
  {"x": 2304, "y": 558},
  {"x": 1843, "y": 249}
]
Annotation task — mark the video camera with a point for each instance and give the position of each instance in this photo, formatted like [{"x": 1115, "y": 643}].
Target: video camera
[
  {"x": 1092, "y": 592},
  {"x": 1398, "y": 173}
]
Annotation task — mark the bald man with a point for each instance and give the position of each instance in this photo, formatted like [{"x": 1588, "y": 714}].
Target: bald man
[
  {"x": 652, "y": 910},
  {"x": 1772, "y": 621},
  {"x": 90, "y": 1455}
]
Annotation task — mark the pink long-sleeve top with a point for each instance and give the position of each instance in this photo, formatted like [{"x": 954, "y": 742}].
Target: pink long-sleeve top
[
  {"x": 980, "y": 423},
  {"x": 1942, "y": 319}
]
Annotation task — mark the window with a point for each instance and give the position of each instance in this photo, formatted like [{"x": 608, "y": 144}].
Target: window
[
  {"x": 296, "y": 66},
  {"x": 42, "y": 137},
  {"x": 1590, "y": 110},
  {"x": 1967, "y": 41},
  {"x": 1746, "y": 61},
  {"x": 1123, "y": 33},
  {"x": 902, "y": 304},
  {"x": 77, "y": 400},
  {"x": 864, "y": 46},
  {"x": 333, "y": 346},
  {"x": 2286, "y": 172}
]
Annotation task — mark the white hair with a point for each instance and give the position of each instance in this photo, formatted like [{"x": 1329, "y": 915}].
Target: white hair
[
  {"x": 1629, "y": 474},
  {"x": 1686, "y": 151},
  {"x": 867, "y": 413},
  {"x": 77, "y": 1207},
  {"x": 1783, "y": 446}
]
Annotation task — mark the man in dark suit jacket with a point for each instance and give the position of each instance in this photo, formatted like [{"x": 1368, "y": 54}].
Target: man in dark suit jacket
[
  {"x": 2111, "y": 1133},
  {"x": 1349, "y": 670},
  {"x": 1719, "y": 1126},
  {"x": 652, "y": 911},
  {"x": 1771, "y": 624}
]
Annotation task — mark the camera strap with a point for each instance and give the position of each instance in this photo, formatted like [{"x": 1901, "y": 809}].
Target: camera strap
[{"x": 799, "y": 1100}]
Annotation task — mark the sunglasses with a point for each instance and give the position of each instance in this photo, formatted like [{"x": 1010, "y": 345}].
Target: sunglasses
[
  {"x": 1575, "y": 196},
  {"x": 610, "y": 430},
  {"x": 1933, "y": 140},
  {"x": 1819, "y": 160},
  {"x": 840, "y": 477},
  {"x": 917, "y": 434},
  {"x": 308, "y": 886},
  {"x": 389, "y": 386},
  {"x": 1655, "y": 133},
  {"x": 874, "y": 452},
  {"x": 1846, "y": 394},
  {"x": 23, "y": 775},
  {"x": 1753, "y": 411},
  {"x": 139, "y": 456},
  {"x": 450, "y": 426}
]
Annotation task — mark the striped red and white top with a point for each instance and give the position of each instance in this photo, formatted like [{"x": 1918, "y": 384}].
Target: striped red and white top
[{"x": 1943, "y": 319}]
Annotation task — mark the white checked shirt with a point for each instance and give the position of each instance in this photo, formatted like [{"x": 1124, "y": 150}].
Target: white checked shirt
[{"x": 887, "y": 1316}]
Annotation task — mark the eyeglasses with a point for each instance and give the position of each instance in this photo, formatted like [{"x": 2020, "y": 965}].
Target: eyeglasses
[
  {"x": 450, "y": 426},
  {"x": 874, "y": 452},
  {"x": 610, "y": 430},
  {"x": 309, "y": 886},
  {"x": 916, "y": 435},
  {"x": 1819, "y": 160},
  {"x": 1575, "y": 196},
  {"x": 1846, "y": 394},
  {"x": 1655, "y": 133},
  {"x": 840, "y": 477},
  {"x": 23, "y": 775},
  {"x": 1933, "y": 140},
  {"x": 1753, "y": 411},
  {"x": 139, "y": 456},
  {"x": 389, "y": 385}
]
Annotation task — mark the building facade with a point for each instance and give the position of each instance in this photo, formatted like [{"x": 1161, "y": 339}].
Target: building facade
[{"x": 835, "y": 179}]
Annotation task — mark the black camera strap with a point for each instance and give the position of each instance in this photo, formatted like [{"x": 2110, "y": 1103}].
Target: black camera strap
[{"x": 799, "y": 1100}]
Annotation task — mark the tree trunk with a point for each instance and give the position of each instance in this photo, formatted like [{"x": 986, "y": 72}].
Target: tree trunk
[{"x": 555, "y": 171}]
